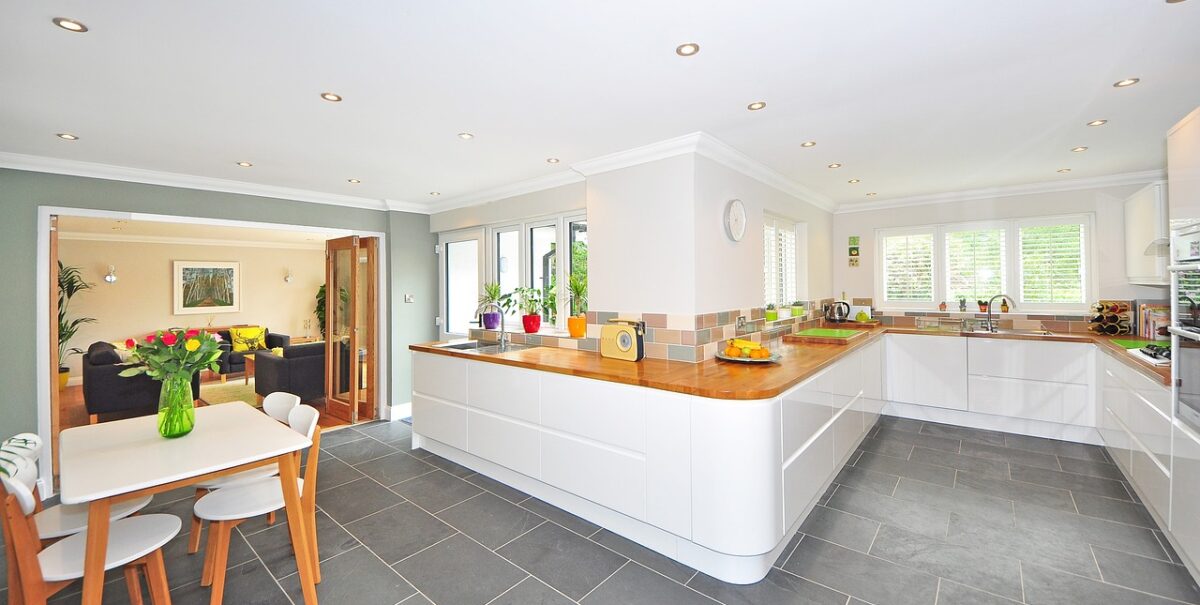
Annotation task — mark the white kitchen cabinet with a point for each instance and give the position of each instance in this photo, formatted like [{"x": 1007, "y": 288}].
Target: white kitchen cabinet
[
  {"x": 669, "y": 462},
  {"x": 1046, "y": 361},
  {"x": 1037, "y": 380},
  {"x": 927, "y": 370},
  {"x": 1136, "y": 431},
  {"x": 1183, "y": 169},
  {"x": 1036, "y": 400},
  {"x": 440, "y": 398},
  {"x": 1146, "y": 235},
  {"x": 1185, "y": 494},
  {"x": 871, "y": 401}
]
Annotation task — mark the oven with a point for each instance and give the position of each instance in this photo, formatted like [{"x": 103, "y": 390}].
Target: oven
[{"x": 1185, "y": 324}]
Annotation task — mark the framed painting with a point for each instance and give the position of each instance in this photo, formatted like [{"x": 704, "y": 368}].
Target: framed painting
[{"x": 207, "y": 287}]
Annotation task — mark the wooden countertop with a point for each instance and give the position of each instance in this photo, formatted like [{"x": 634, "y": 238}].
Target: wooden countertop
[{"x": 728, "y": 380}]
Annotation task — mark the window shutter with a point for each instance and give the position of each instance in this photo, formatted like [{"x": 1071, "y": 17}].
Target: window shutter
[
  {"x": 1052, "y": 264},
  {"x": 908, "y": 267},
  {"x": 974, "y": 264},
  {"x": 779, "y": 261}
]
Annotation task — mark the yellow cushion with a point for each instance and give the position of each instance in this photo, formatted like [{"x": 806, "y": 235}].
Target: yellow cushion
[
  {"x": 278, "y": 351},
  {"x": 249, "y": 338}
]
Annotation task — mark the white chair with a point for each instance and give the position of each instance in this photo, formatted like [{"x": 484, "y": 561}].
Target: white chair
[
  {"x": 61, "y": 520},
  {"x": 227, "y": 507},
  {"x": 134, "y": 544},
  {"x": 277, "y": 405}
]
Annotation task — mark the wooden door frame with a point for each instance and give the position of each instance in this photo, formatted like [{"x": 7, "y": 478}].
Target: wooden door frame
[{"x": 332, "y": 299}]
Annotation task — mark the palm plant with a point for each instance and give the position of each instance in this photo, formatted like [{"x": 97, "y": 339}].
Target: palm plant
[
  {"x": 319, "y": 310},
  {"x": 578, "y": 286},
  {"x": 70, "y": 283}
]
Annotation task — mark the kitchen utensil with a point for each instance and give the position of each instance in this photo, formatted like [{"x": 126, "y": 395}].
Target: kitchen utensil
[
  {"x": 837, "y": 311},
  {"x": 624, "y": 339}
]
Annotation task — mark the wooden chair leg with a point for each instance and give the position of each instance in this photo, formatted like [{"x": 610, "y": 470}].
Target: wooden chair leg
[
  {"x": 133, "y": 583},
  {"x": 93, "y": 418},
  {"x": 223, "y": 529},
  {"x": 210, "y": 551},
  {"x": 197, "y": 525},
  {"x": 156, "y": 578}
]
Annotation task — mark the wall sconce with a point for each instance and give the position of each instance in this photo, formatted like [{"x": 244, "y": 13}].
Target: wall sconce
[
  {"x": 287, "y": 276},
  {"x": 111, "y": 277}
]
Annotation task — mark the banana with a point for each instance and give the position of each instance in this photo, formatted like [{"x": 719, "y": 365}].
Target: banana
[{"x": 745, "y": 344}]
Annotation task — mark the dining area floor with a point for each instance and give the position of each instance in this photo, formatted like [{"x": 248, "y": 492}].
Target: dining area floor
[{"x": 923, "y": 513}]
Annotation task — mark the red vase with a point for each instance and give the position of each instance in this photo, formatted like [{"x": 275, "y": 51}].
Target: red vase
[{"x": 532, "y": 323}]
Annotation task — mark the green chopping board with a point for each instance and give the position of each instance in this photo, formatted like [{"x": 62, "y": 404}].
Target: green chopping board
[
  {"x": 1135, "y": 344},
  {"x": 828, "y": 333}
]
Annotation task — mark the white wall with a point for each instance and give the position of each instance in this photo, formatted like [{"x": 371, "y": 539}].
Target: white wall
[
  {"x": 729, "y": 275},
  {"x": 642, "y": 238},
  {"x": 555, "y": 200},
  {"x": 1107, "y": 203}
]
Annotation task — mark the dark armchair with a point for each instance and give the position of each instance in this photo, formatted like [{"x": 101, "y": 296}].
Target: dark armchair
[
  {"x": 301, "y": 371},
  {"x": 233, "y": 362},
  {"x": 104, "y": 392}
]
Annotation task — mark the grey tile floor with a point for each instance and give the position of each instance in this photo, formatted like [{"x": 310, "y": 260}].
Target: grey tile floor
[{"x": 924, "y": 513}]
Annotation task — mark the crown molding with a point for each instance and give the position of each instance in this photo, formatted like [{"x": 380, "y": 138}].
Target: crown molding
[
  {"x": 186, "y": 241},
  {"x": 968, "y": 195},
  {"x": 541, "y": 183},
  {"x": 716, "y": 150},
  {"x": 402, "y": 206},
  {"x": 111, "y": 172},
  {"x": 687, "y": 143}
]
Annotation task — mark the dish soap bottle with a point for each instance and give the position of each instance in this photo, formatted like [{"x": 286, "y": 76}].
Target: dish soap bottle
[{"x": 1004, "y": 305}]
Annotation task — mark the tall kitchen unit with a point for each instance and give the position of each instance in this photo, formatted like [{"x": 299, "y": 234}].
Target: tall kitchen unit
[{"x": 1183, "y": 199}]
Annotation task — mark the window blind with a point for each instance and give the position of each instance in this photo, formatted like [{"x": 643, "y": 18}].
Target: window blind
[
  {"x": 1052, "y": 263},
  {"x": 779, "y": 261},
  {"x": 974, "y": 264},
  {"x": 908, "y": 267}
]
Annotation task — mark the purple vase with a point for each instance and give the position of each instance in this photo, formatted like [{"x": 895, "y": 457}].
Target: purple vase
[{"x": 491, "y": 320}]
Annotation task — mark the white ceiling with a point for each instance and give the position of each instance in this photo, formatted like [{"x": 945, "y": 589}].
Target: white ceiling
[
  {"x": 96, "y": 228},
  {"x": 913, "y": 98}
]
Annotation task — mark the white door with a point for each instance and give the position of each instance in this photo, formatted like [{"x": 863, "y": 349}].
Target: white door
[{"x": 460, "y": 280}]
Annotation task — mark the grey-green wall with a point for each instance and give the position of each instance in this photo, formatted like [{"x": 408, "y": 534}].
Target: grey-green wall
[{"x": 22, "y": 192}]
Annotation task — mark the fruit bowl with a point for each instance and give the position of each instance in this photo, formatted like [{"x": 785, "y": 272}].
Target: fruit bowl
[{"x": 774, "y": 358}]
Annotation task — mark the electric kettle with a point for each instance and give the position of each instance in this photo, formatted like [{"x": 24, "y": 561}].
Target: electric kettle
[{"x": 839, "y": 311}]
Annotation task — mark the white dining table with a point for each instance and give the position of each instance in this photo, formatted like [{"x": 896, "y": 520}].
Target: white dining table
[{"x": 114, "y": 461}]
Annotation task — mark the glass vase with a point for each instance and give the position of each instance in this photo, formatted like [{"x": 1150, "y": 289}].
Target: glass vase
[{"x": 176, "y": 408}]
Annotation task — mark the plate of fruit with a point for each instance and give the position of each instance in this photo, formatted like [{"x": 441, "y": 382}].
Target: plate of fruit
[{"x": 746, "y": 351}]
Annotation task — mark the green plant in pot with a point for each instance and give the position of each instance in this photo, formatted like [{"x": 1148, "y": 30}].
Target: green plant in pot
[
  {"x": 797, "y": 308},
  {"x": 70, "y": 283},
  {"x": 577, "y": 322},
  {"x": 491, "y": 294},
  {"x": 772, "y": 313},
  {"x": 319, "y": 310},
  {"x": 172, "y": 357},
  {"x": 529, "y": 301}
]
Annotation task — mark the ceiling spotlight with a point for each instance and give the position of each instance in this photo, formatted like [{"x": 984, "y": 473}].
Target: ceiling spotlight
[
  {"x": 854, "y": 181},
  {"x": 834, "y": 165},
  {"x": 331, "y": 97},
  {"x": 1079, "y": 149},
  {"x": 1174, "y": 1},
  {"x": 70, "y": 25},
  {"x": 1064, "y": 170},
  {"x": 757, "y": 105},
  {"x": 353, "y": 181},
  {"x": 872, "y": 194},
  {"x": 435, "y": 193},
  {"x": 687, "y": 50},
  {"x": 466, "y": 136},
  {"x": 1097, "y": 123},
  {"x": 66, "y": 136},
  {"x": 551, "y": 160},
  {"x": 808, "y": 144},
  {"x": 245, "y": 164},
  {"x": 1126, "y": 82}
]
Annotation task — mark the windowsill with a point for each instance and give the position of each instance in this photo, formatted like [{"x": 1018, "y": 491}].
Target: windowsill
[
  {"x": 545, "y": 331},
  {"x": 976, "y": 311}
]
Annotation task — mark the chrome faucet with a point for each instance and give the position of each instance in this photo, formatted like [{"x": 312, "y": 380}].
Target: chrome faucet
[
  {"x": 503, "y": 332},
  {"x": 991, "y": 324}
]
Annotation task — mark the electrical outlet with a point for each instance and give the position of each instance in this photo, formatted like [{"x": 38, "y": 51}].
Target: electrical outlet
[{"x": 408, "y": 298}]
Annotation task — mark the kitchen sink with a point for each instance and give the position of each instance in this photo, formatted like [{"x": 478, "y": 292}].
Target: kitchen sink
[
  {"x": 474, "y": 346},
  {"x": 1017, "y": 332}
]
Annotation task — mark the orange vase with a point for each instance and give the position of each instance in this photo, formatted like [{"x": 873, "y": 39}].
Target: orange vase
[{"x": 577, "y": 326}]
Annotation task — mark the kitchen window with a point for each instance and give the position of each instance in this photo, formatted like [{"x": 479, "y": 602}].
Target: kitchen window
[
  {"x": 779, "y": 261},
  {"x": 1043, "y": 263}
]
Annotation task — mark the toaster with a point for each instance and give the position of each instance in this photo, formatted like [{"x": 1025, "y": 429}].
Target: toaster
[{"x": 623, "y": 339}]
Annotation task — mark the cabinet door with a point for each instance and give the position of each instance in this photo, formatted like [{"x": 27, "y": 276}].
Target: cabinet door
[
  {"x": 1036, "y": 400},
  {"x": 1185, "y": 493},
  {"x": 927, "y": 370},
  {"x": 1183, "y": 168},
  {"x": 871, "y": 402},
  {"x": 1145, "y": 228},
  {"x": 1064, "y": 362}
]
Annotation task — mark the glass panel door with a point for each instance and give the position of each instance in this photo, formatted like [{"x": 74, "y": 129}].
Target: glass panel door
[
  {"x": 350, "y": 312},
  {"x": 461, "y": 281}
]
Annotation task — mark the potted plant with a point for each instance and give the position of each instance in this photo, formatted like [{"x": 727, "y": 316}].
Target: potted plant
[
  {"x": 172, "y": 357},
  {"x": 577, "y": 322},
  {"x": 70, "y": 283},
  {"x": 785, "y": 311},
  {"x": 772, "y": 313},
  {"x": 797, "y": 308},
  {"x": 983, "y": 306},
  {"x": 491, "y": 294},
  {"x": 319, "y": 310},
  {"x": 529, "y": 301}
]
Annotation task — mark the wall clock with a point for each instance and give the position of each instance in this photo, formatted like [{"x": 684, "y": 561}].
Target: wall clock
[{"x": 735, "y": 220}]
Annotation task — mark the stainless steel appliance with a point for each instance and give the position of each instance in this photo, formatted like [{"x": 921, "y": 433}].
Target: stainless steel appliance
[
  {"x": 1185, "y": 333},
  {"x": 837, "y": 311}
]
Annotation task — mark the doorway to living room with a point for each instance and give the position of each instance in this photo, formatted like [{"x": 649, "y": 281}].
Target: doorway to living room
[{"x": 259, "y": 286}]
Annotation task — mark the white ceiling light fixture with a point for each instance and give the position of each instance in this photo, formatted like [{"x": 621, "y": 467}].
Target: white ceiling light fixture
[
  {"x": 245, "y": 164},
  {"x": 808, "y": 144},
  {"x": 66, "y": 136},
  {"x": 834, "y": 165},
  {"x": 332, "y": 97},
  {"x": 70, "y": 25},
  {"x": 1079, "y": 149},
  {"x": 111, "y": 276},
  {"x": 872, "y": 194},
  {"x": 353, "y": 181},
  {"x": 1097, "y": 123},
  {"x": 1064, "y": 170},
  {"x": 854, "y": 181},
  {"x": 552, "y": 160},
  {"x": 1126, "y": 82},
  {"x": 687, "y": 50},
  {"x": 466, "y": 136},
  {"x": 757, "y": 105},
  {"x": 435, "y": 193}
]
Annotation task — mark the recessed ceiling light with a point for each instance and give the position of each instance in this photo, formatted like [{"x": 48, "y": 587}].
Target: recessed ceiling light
[
  {"x": 70, "y": 25},
  {"x": 353, "y": 181},
  {"x": 872, "y": 194},
  {"x": 66, "y": 136},
  {"x": 687, "y": 50},
  {"x": 435, "y": 193},
  {"x": 808, "y": 144},
  {"x": 1126, "y": 82},
  {"x": 551, "y": 160},
  {"x": 466, "y": 136},
  {"x": 757, "y": 105},
  {"x": 1079, "y": 149},
  {"x": 834, "y": 165},
  {"x": 332, "y": 97},
  {"x": 1174, "y": 1},
  {"x": 245, "y": 164},
  {"x": 854, "y": 181},
  {"x": 1064, "y": 170},
  {"x": 1097, "y": 123}
]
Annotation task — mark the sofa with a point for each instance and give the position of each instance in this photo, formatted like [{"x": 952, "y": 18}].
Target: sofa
[
  {"x": 234, "y": 362},
  {"x": 104, "y": 392},
  {"x": 300, "y": 371}
]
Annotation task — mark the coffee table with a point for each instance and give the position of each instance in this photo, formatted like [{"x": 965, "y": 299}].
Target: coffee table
[{"x": 249, "y": 367}]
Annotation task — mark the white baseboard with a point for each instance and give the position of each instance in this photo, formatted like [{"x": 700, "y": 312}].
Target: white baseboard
[
  {"x": 396, "y": 411},
  {"x": 1020, "y": 426}
]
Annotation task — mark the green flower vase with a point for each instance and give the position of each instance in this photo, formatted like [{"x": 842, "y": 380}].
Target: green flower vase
[{"x": 176, "y": 408}]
